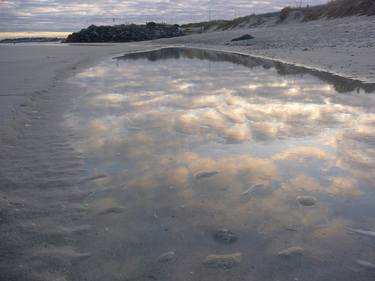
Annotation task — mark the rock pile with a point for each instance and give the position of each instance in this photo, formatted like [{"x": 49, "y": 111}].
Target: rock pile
[{"x": 124, "y": 33}]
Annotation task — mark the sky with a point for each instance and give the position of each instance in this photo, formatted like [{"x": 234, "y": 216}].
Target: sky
[{"x": 72, "y": 15}]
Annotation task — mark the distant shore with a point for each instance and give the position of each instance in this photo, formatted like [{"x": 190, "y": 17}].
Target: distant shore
[{"x": 30, "y": 40}]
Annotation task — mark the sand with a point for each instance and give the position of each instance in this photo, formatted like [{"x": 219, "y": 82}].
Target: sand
[
  {"x": 343, "y": 46},
  {"x": 27, "y": 70},
  {"x": 37, "y": 161}
]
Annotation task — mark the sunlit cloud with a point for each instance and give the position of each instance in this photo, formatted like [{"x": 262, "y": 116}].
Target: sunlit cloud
[{"x": 301, "y": 153}]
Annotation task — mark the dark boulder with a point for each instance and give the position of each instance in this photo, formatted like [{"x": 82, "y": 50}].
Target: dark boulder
[{"x": 243, "y": 37}]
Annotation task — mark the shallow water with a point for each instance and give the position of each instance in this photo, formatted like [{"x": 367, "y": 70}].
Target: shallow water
[{"x": 180, "y": 143}]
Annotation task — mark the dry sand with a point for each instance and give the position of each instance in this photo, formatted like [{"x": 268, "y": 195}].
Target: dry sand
[{"x": 343, "y": 46}]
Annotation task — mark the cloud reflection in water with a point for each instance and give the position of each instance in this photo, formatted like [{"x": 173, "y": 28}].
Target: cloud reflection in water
[{"x": 152, "y": 121}]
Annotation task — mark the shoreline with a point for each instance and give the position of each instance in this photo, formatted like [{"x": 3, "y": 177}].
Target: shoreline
[
  {"x": 219, "y": 48},
  {"x": 343, "y": 46},
  {"x": 22, "y": 96}
]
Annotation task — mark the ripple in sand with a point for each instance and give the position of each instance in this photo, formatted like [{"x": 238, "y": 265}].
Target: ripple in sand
[
  {"x": 291, "y": 252},
  {"x": 167, "y": 257},
  {"x": 223, "y": 261}
]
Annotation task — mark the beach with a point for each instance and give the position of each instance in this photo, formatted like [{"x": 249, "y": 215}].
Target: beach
[
  {"x": 343, "y": 46},
  {"x": 334, "y": 46},
  {"x": 97, "y": 178}
]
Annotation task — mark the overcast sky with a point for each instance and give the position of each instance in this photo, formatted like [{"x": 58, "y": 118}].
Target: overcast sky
[{"x": 71, "y": 15}]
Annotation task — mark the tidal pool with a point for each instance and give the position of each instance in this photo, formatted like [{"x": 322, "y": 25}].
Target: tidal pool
[{"x": 204, "y": 165}]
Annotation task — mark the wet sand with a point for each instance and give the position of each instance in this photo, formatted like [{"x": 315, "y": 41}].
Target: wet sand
[
  {"x": 39, "y": 169},
  {"x": 94, "y": 190},
  {"x": 30, "y": 70}
]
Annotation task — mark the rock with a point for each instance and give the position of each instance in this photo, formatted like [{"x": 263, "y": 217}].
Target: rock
[
  {"x": 113, "y": 210},
  {"x": 223, "y": 261},
  {"x": 167, "y": 257},
  {"x": 306, "y": 200},
  {"x": 224, "y": 236},
  {"x": 243, "y": 37},
  {"x": 291, "y": 228},
  {"x": 206, "y": 174},
  {"x": 291, "y": 252},
  {"x": 124, "y": 33}
]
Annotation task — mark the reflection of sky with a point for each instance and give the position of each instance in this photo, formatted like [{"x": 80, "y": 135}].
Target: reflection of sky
[{"x": 152, "y": 125}]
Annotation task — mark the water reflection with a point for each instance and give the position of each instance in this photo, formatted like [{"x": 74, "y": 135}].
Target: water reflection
[
  {"x": 191, "y": 141},
  {"x": 340, "y": 84}
]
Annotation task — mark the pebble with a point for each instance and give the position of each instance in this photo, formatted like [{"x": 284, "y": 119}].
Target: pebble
[
  {"x": 306, "y": 200},
  {"x": 113, "y": 210},
  {"x": 167, "y": 257},
  {"x": 206, "y": 174},
  {"x": 291, "y": 252},
  {"x": 223, "y": 261},
  {"x": 224, "y": 236},
  {"x": 291, "y": 228}
]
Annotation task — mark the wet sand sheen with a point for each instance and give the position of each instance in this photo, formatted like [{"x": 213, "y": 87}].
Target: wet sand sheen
[{"x": 197, "y": 165}]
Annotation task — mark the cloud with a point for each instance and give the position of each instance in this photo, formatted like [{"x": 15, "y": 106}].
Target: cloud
[
  {"x": 300, "y": 153},
  {"x": 70, "y": 15}
]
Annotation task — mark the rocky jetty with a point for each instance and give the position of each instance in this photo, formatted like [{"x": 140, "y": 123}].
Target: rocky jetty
[{"x": 124, "y": 33}]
